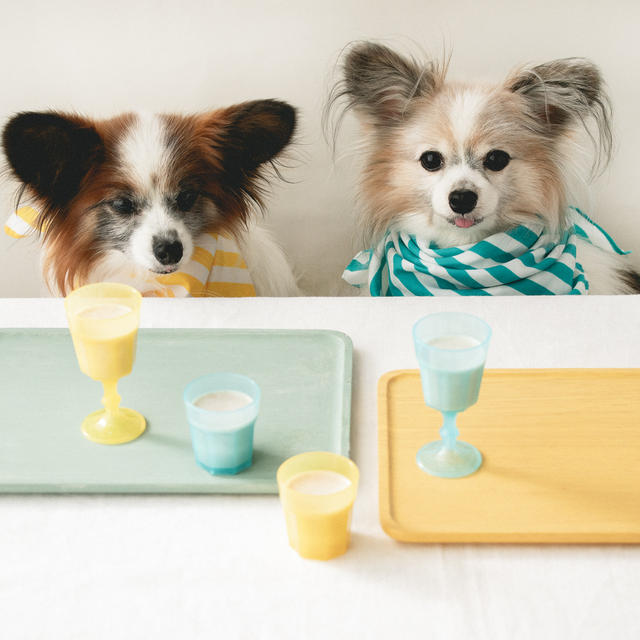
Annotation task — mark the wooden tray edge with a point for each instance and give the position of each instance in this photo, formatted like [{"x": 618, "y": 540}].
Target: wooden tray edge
[{"x": 389, "y": 525}]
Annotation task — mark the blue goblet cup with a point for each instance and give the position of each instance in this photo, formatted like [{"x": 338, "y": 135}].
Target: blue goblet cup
[{"x": 451, "y": 349}]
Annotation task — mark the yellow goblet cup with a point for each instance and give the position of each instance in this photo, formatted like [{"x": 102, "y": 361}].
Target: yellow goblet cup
[{"x": 103, "y": 319}]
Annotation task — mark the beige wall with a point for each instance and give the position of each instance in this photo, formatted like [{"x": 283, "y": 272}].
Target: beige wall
[{"x": 102, "y": 58}]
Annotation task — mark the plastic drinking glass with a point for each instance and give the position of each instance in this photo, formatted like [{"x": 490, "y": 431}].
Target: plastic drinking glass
[
  {"x": 318, "y": 523},
  {"x": 222, "y": 440},
  {"x": 451, "y": 349},
  {"x": 103, "y": 320}
]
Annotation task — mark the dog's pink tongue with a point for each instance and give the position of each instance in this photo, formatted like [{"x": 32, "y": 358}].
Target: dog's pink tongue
[{"x": 464, "y": 222}]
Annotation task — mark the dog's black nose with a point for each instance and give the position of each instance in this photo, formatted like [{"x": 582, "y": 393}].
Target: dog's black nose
[
  {"x": 463, "y": 201},
  {"x": 167, "y": 252}
]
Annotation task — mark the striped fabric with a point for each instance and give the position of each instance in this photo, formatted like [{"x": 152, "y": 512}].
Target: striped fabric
[
  {"x": 21, "y": 223},
  {"x": 525, "y": 260},
  {"x": 216, "y": 268}
]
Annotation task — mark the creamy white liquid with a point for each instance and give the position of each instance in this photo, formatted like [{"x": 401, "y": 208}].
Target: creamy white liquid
[
  {"x": 451, "y": 380},
  {"x": 223, "y": 401},
  {"x": 454, "y": 342},
  {"x": 104, "y": 311},
  {"x": 318, "y": 483}
]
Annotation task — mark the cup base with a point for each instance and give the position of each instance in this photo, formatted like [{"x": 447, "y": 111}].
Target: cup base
[
  {"x": 324, "y": 553},
  {"x": 438, "y": 460},
  {"x": 227, "y": 471},
  {"x": 126, "y": 425}
]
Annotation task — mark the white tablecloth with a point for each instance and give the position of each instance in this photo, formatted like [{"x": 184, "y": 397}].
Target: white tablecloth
[{"x": 219, "y": 566}]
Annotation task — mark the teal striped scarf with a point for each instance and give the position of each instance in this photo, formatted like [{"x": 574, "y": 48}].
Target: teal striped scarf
[{"x": 525, "y": 260}]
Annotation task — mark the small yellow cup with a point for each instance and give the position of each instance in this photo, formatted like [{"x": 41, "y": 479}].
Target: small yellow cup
[{"x": 317, "y": 523}]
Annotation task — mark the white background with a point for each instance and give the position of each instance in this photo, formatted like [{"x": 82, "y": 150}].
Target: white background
[{"x": 104, "y": 58}]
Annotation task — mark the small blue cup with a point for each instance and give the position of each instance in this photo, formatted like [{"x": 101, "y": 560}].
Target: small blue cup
[{"x": 222, "y": 439}]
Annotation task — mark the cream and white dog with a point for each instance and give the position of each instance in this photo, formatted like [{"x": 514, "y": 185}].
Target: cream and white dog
[{"x": 451, "y": 164}]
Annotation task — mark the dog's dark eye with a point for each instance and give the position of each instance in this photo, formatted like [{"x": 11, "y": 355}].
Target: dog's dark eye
[
  {"x": 186, "y": 199},
  {"x": 496, "y": 160},
  {"x": 125, "y": 206},
  {"x": 431, "y": 160}
]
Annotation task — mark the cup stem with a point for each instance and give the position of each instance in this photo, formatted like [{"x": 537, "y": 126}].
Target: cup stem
[
  {"x": 449, "y": 431},
  {"x": 111, "y": 399}
]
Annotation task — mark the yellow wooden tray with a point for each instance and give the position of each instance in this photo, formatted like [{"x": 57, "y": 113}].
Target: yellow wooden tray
[{"x": 561, "y": 451}]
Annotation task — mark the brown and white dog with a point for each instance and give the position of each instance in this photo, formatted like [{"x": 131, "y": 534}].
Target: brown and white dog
[
  {"x": 452, "y": 163},
  {"x": 132, "y": 194}
]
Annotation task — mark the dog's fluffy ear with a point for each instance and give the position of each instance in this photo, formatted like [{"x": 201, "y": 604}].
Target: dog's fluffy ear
[
  {"x": 380, "y": 83},
  {"x": 256, "y": 132},
  {"x": 562, "y": 92},
  {"x": 51, "y": 153}
]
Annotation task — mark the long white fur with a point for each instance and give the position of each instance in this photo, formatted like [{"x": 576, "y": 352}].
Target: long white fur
[
  {"x": 465, "y": 111},
  {"x": 144, "y": 151},
  {"x": 602, "y": 269},
  {"x": 269, "y": 268}
]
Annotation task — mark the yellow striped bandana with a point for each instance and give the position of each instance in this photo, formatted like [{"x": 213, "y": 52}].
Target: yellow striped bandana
[{"x": 216, "y": 268}]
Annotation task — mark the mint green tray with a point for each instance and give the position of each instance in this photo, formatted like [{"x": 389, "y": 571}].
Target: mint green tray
[{"x": 305, "y": 377}]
